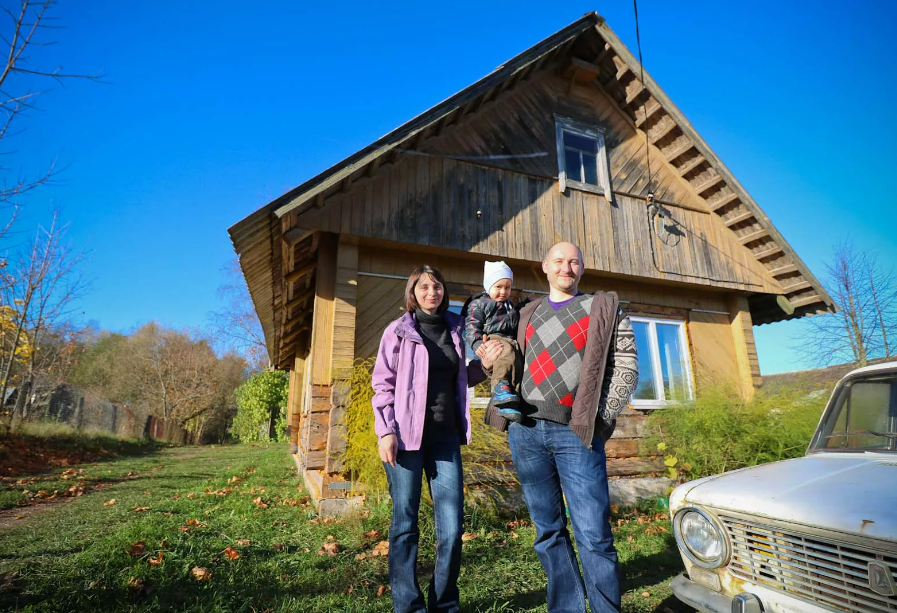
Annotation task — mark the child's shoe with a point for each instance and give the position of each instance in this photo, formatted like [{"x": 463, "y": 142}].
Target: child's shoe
[{"x": 506, "y": 401}]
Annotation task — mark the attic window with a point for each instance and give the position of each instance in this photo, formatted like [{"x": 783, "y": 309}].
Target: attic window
[{"x": 582, "y": 157}]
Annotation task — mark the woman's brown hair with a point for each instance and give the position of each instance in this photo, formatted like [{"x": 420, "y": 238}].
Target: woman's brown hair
[{"x": 411, "y": 301}]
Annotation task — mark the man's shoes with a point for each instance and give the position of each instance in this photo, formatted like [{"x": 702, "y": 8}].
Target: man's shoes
[{"x": 506, "y": 401}]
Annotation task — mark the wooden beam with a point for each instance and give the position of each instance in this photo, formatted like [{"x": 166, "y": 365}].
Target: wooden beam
[
  {"x": 292, "y": 335},
  {"x": 608, "y": 50},
  {"x": 775, "y": 248},
  {"x": 300, "y": 299},
  {"x": 322, "y": 325},
  {"x": 691, "y": 165},
  {"x": 319, "y": 200},
  {"x": 622, "y": 72},
  {"x": 745, "y": 348},
  {"x": 372, "y": 168},
  {"x": 706, "y": 184},
  {"x": 800, "y": 302},
  {"x": 652, "y": 109},
  {"x": 753, "y": 236},
  {"x": 299, "y": 273},
  {"x": 584, "y": 66},
  {"x": 636, "y": 92},
  {"x": 672, "y": 154},
  {"x": 739, "y": 218},
  {"x": 294, "y": 235},
  {"x": 781, "y": 270},
  {"x": 669, "y": 127},
  {"x": 797, "y": 287},
  {"x": 718, "y": 203}
]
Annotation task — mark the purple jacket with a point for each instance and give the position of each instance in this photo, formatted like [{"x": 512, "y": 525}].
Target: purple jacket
[{"x": 400, "y": 381}]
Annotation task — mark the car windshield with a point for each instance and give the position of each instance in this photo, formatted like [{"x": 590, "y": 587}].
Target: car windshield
[{"x": 862, "y": 416}]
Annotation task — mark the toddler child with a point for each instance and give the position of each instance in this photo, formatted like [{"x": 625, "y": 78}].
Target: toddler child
[{"x": 490, "y": 315}]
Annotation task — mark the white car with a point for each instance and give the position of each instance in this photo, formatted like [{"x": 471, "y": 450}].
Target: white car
[{"x": 811, "y": 534}]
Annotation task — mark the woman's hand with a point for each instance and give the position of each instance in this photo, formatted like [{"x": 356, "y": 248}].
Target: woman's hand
[
  {"x": 488, "y": 352},
  {"x": 389, "y": 446}
]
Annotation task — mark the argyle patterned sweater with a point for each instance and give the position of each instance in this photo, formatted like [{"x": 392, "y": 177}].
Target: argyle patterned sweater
[{"x": 555, "y": 341}]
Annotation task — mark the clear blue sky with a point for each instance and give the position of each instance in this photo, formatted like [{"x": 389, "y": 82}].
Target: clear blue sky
[{"x": 214, "y": 108}]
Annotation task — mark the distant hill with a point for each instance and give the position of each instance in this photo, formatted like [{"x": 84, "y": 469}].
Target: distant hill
[{"x": 813, "y": 379}]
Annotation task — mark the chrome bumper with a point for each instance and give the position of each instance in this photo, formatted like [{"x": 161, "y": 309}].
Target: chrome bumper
[{"x": 702, "y": 599}]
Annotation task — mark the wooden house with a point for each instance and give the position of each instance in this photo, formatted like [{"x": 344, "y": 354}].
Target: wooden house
[{"x": 550, "y": 146}]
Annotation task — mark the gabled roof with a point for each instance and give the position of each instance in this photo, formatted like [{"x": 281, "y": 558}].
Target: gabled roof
[{"x": 614, "y": 69}]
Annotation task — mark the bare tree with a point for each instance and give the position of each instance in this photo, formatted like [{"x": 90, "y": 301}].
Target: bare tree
[
  {"x": 235, "y": 325},
  {"x": 39, "y": 286},
  {"x": 866, "y": 294},
  {"x": 22, "y": 28}
]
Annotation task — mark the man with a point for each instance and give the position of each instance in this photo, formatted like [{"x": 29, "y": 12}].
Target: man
[{"x": 580, "y": 367}]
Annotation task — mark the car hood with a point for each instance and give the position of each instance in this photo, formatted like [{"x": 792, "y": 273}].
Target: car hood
[{"x": 850, "y": 493}]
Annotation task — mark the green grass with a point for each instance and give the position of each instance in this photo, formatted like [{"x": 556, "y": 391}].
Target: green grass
[
  {"x": 42, "y": 461},
  {"x": 73, "y": 556}
]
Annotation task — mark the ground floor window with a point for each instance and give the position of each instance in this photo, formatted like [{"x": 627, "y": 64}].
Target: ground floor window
[{"x": 663, "y": 362}]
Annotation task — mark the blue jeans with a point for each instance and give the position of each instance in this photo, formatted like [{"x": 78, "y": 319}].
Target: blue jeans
[
  {"x": 442, "y": 466},
  {"x": 552, "y": 462}
]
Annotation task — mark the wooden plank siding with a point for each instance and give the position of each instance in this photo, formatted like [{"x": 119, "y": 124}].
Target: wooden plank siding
[{"x": 435, "y": 201}]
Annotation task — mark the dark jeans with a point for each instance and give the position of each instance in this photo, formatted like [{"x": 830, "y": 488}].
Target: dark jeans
[
  {"x": 552, "y": 462},
  {"x": 442, "y": 466}
]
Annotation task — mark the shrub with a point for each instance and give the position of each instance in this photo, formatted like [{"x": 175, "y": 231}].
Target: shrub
[
  {"x": 483, "y": 457},
  {"x": 258, "y": 400},
  {"x": 720, "y": 432},
  {"x": 362, "y": 456}
]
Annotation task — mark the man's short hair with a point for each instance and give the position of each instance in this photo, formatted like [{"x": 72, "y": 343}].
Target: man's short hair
[{"x": 548, "y": 252}]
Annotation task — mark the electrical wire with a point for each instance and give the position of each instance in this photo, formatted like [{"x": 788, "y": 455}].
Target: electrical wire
[
  {"x": 653, "y": 210},
  {"x": 641, "y": 68}
]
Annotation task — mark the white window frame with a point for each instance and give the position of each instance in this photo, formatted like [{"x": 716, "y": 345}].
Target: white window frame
[
  {"x": 562, "y": 124},
  {"x": 654, "y": 346}
]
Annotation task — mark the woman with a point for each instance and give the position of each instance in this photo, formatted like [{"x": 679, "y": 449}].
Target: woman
[{"x": 422, "y": 418}]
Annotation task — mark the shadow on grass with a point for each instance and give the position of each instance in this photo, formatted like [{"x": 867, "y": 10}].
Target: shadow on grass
[{"x": 24, "y": 454}]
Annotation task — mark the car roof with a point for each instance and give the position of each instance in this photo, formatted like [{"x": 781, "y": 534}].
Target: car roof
[{"x": 877, "y": 368}]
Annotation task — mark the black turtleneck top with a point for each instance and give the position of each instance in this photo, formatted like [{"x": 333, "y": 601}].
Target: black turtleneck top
[{"x": 441, "y": 423}]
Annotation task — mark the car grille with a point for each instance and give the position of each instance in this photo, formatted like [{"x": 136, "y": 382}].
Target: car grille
[{"x": 818, "y": 569}]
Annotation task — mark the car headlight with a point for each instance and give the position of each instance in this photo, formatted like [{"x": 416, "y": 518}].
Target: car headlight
[{"x": 700, "y": 538}]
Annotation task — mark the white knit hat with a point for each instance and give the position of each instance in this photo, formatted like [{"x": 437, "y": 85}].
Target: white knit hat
[{"x": 495, "y": 271}]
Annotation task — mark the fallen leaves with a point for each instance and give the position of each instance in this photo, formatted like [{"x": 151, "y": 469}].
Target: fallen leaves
[
  {"x": 137, "y": 585},
  {"x": 381, "y": 590},
  {"x": 190, "y": 525},
  {"x": 140, "y": 509},
  {"x": 243, "y": 542},
  {"x": 157, "y": 561},
  {"x": 136, "y": 549},
  {"x": 381, "y": 549},
  {"x": 260, "y": 503},
  {"x": 109, "y": 502},
  {"x": 200, "y": 573},
  {"x": 469, "y": 536},
  {"x": 329, "y": 547},
  {"x": 231, "y": 553}
]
